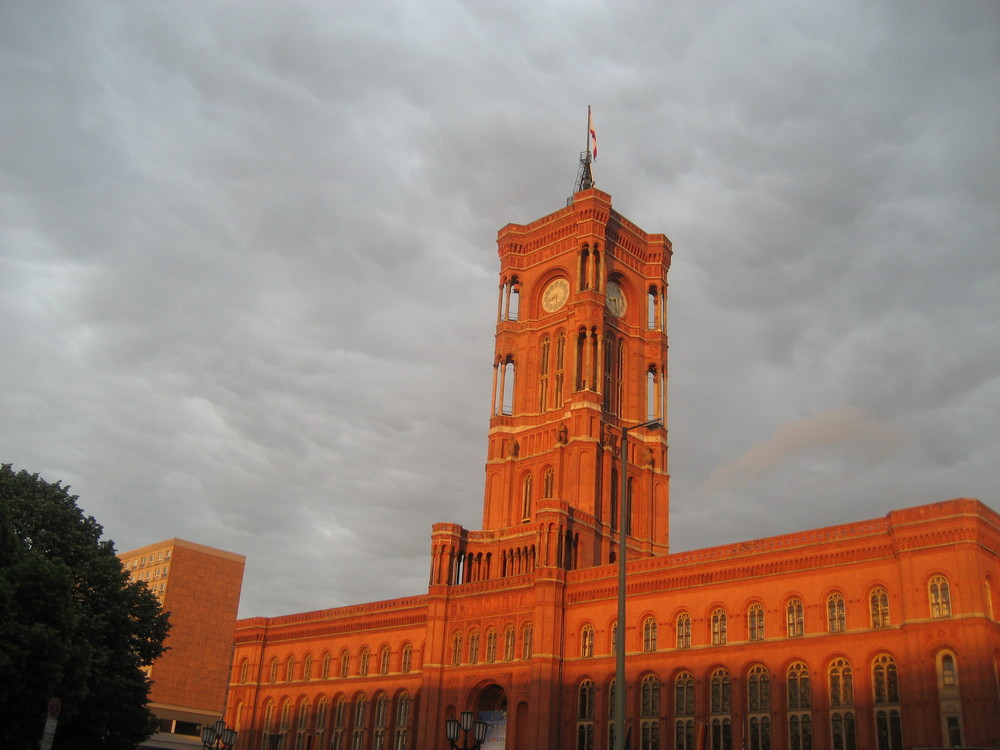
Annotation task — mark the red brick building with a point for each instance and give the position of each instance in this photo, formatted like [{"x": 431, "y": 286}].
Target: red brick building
[
  {"x": 878, "y": 634},
  {"x": 200, "y": 587}
]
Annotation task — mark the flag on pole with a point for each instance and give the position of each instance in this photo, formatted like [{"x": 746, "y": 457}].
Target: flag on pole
[{"x": 593, "y": 134}]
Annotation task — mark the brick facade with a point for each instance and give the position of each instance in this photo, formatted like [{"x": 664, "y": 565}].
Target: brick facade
[{"x": 877, "y": 634}]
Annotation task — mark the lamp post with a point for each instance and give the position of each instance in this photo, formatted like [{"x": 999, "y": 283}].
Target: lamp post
[
  {"x": 467, "y": 725},
  {"x": 620, "y": 630},
  {"x": 217, "y": 736}
]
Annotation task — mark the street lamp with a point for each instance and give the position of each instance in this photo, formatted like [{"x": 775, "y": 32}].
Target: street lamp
[
  {"x": 620, "y": 630},
  {"x": 478, "y": 729},
  {"x": 217, "y": 736}
]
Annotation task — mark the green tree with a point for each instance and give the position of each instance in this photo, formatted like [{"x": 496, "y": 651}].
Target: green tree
[{"x": 72, "y": 625}]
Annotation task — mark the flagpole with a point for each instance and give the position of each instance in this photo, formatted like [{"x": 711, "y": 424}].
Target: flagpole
[{"x": 588, "y": 132}]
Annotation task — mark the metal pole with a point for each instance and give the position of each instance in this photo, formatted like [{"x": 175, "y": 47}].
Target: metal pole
[{"x": 620, "y": 628}]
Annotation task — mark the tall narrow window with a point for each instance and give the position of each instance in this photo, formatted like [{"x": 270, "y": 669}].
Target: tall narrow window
[
  {"x": 795, "y": 614},
  {"x": 885, "y": 689},
  {"x": 940, "y": 595},
  {"x": 339, "y": 724},
  {"x": 620, "y": 377},
  {"x": 543, "y": 373},
  {"x": 508, "y": 387},
  {"x": 526, "y": 497},
  {"x": 649, "y": 634},
  {"x": 759, "y": 708},
  {"x": 360, "y": 717},
  {"x": 383, "y": 660},
  {"x": 879, "y": 600},
  {"x": 615, "y": 493},
  {"x": 290, "y": 669},
  {"x": 526, "y": 641},
  {"x": 491, "y": 645},
  {"x": 719, "y": 627},
  {"x": 515, "y": 299},
  {"x": 379, "y": 721},
  {"x": 842, "y": 727},
  {"x": 721, "y": 719},
  {"x": 584, "y": 270},
  {"x": 319, "y": 725},
  {"x": 548, "y": 482},
  {"x": 609, "y": 390},
  {"x": 684, "y": 711},
  {"x": 456, "y": 649},
  {"x": 581, "y": 351},
  {"x": 301, "y": 724},
  {"x": 345, "y": 663},
  {"x": 402, "y": 721},
  {"x": 406, "y": 659},
  {"x": 363, "y": 659},
  {"x": 684, "y": 630},
  {"x": 244, "y": 671},
  {"x": 629, "y": 505},
  {"x": 585, "y": 716},
  {"x": 797, "y": 688},
  {"x": 949, "y": 699},
  {"x": 755, "y": 622},
  {"x": 560, "y": 368},
  {"x": 474, "y": 647},
  {"x": 587, "y": 641},
  {"x": 509, "y": 639},
  {"x": 649, "y": 713},
  {"x": 836, "y": 613}
]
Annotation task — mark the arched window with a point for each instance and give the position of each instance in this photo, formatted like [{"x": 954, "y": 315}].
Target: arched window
[
  {"x": 612, "y": 707},
  {"x": 608, "y": 388},
  {"x": 879, "y": 600},
  {"x": 683, "y": 630},
  {"x": 587, "y": 641},
  {"x": 548, "y": 482},
  {"x": 797, "y": 688},
  {"x": 307, "y": 667},
  {"x": 509, "y": 639},
  {"x": 406, "y": 659},
  {"x": 720, "y": 699},
  {"x": 267, "y": 728},
  {"x": 286, "y": 717},
  {"x": 614, "y": 638},
  {"x": 290, "y": 669},
  {"x": 507, "y": 387},
  {"x": 402, "y": 721},
  {"x": 474, "y": 647},
  {"x": 885, "y": 689},
  {"x": 755, "y": 622},
  {"x": 491, "y": 645},
  {"x": 795, "y": 617},
  {"x": 360, "y": 717},
  {"x": 543, "y": 373},
  {"x": 345, "y": 663},
  {"x": 585, "y": 716},
  {"x": 560, "y": 368},
  {"x": 324, "y": 670},
  {"x": 301, "y": 724},
  {"x": 383, "y": 660},
  {"x": 321, "y": 717},
  {"x": 274, "y": 669},
  {"x": 842, "y": 724},
  {"x": 649, "y": 712},
  {"x": 456, "y": 649},
  {"x": 339, "y": 723},
  {"x": 949, "y": 699},
  {"x": 940, "y": 596},
  {"x": 620, "y": 376},
  {"x": 719, "y": 627},
  {"x": 836, "y": 613},
  {"x": 649, "y": 634},
  {"x": 759, "y": 707},
  {"x": 526, "y": 497},
  {"x": 526, "y": 641},
  {"x": 684, "y": 711},
  {"x": 244, "y": 671},
  {"x": 363, "y": 659},
  {"x": 380, "y": 717}
]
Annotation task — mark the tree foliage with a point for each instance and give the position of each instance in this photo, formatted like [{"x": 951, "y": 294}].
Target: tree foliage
[{"x": 72, "y": 624}]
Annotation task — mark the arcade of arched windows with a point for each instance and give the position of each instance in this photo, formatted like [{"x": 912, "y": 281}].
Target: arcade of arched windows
[
  {"x": 338, "y": 722},
  {"x": 509, "y": 298}
]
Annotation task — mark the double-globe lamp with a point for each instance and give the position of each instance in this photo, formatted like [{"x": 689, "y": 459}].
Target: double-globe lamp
[
  {"x": 217, "y": 736},
  {"x": 466, "y": 725}
]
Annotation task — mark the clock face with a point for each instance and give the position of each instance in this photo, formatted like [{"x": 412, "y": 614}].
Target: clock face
[
  {"x": 555, "y": 295},
  {"x": 614, "y": 298}
]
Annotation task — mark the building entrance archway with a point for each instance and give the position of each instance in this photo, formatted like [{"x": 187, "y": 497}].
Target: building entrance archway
[{"x": 490, "y": 703}]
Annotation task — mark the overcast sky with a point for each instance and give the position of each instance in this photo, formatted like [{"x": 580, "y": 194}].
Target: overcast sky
[{"x": 248, "y": 265}]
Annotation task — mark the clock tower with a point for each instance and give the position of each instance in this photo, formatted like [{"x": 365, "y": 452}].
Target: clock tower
[{"x": 581, "y": 353}]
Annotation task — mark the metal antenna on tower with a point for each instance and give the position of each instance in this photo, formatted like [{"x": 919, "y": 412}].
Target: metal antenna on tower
[{"x": 585, "y": 174}]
